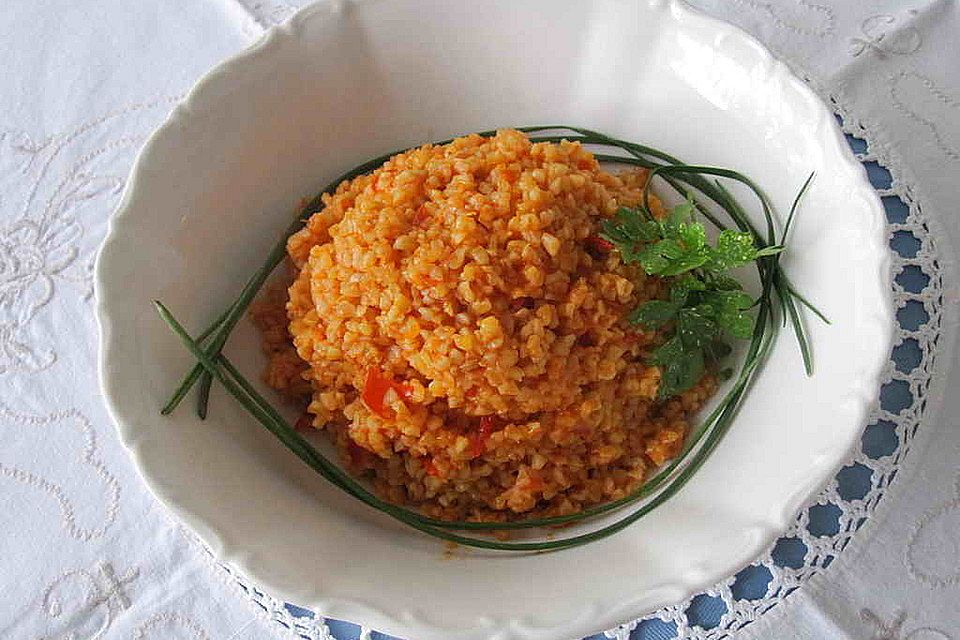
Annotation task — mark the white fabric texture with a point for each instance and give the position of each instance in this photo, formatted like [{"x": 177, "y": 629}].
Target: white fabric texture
[{"x": 87, "y": 553}]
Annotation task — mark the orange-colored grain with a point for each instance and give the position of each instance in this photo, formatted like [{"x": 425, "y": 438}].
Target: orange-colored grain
[{"x": 470, "y": 277}]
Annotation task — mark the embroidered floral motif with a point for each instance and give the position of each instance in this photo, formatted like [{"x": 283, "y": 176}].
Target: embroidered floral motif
[
  {"x": 808, "y": 19},
  {"x": 170, "y": 626},
  {"x": 933, "y": 550},
  {"x": 82, "y": 605},
  {"x": 918, "y": 98},
  {"x": 884, "y": 34},
  {"x": 33, "y": 437},
  {"x": 32, "y": 257},
  {"x": 45, "y": 186},
  {"x": 894, "y": 630}
]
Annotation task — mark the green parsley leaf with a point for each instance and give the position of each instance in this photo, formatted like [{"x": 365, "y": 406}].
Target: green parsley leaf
[
  {"x": 721, "y": 282},
  {"x": 654, "y": 314},
  {"x": 628, "y": 230},
  {"x": 670, "y": 257},
  {"x": 705, "y": 302},
  {"x": 695, "y": 328},
  {"x": 718, "y": 350},
  {"x": 656, "y": 257},
  {"x": 728, "y": 312},
  {"x": 681, "y": 368},
  {"x": 680, "y": 215},
  {"x": 667, "y": 352},
  {"x": 734, "y": 249},
  {"x": 683, "y": 286},
  {"x": 693, "y": 237}
]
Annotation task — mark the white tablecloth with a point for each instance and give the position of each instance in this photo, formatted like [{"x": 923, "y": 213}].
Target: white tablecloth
[{"x": 87, "y": 553}]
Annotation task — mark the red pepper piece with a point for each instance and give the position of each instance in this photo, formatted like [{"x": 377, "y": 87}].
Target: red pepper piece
[
  {"x": 535, "y": 483},
  {"x": 421, "y": 215},
  {"x": 375, "y": 388},
  {"x": 601, "y": 245},
  {"x": 478, "y": 443}
]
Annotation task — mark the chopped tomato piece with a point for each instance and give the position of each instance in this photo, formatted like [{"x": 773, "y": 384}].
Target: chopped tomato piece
[
  {"x": 533, "y": 482},
  {"x": 477, "y": 446},
  {"x": 431, "y": 468},
  {"x": 510, "y": 173},
  {"x": 487, "y": 425},
  {"x": 478, "y": 443},
  {"x": 601, "y": 245},
  {"x": 421, "y": 215},
  {"x": 375, "y": 388}
]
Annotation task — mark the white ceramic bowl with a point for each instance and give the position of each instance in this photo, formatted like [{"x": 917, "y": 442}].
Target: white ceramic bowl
[{"x": 343, "y": 82}]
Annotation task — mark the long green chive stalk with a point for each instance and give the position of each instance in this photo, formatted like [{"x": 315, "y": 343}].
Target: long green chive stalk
[{"x": 212, "y": 365}]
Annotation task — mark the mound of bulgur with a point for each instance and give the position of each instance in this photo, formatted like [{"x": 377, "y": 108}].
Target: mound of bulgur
[{"x": 458, "y": 328}]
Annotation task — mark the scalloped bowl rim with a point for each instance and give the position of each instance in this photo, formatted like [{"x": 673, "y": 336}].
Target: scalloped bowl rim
[{"x": 592, "y": 618}]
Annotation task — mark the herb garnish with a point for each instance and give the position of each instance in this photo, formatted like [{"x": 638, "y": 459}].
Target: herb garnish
[{"x": 705, "y": 303}]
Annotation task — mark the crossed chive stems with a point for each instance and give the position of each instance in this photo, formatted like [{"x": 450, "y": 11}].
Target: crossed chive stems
[{"x": 706, "y": 306}]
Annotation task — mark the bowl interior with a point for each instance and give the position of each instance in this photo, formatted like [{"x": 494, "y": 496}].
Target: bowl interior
[{"x": 346, "y": 82}]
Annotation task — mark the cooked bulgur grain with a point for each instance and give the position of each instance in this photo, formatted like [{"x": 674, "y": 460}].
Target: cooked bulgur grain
[{"x": 459, "y": 330}]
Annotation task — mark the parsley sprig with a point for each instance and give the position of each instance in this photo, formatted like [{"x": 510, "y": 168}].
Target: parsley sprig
[{"x": 705, "y": 304}]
